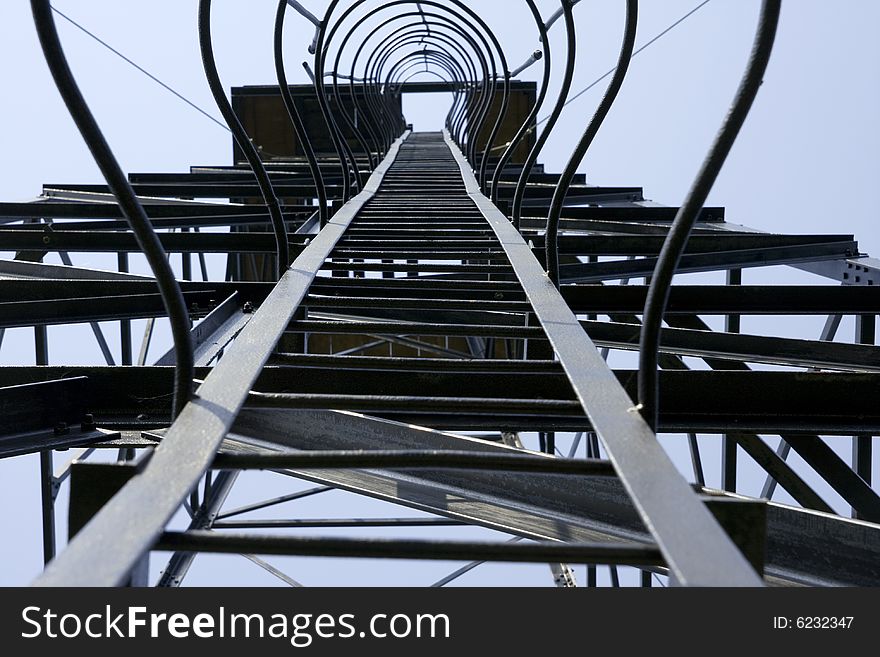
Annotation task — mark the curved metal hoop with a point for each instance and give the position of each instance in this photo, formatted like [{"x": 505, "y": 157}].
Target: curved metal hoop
[
  {"x": 148, "y": 241},
  {"x": 676, "y": 239},
  {"x": 626, "y": 50},
  {"x": 241, "y": 138}
]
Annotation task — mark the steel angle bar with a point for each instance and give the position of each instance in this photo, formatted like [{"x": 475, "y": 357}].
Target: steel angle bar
[
  {"x": 22, "y": 269},
  {"x": 849, "y": 271},
  {"x": 724, "y": 299},
  {"x": 179, "y": 191},
  {"x": 204, "y": 518},
  {"x": 789, "y": 401},
  {"x": 603, "y": 553},
  {"x": 415, "y": 328},
  {"x": 191, "y": 442},
  {"x": 833, "y": 469},
  {"x": 411, "y": 460},
  {"x": 272, "y": 570},
  {"x": 545, "y": 507},
  {"x": 91, "y": 309},
  {"x": 586, "y": 272},
  {"x": 650, "y": 244},
  {"x": 90, "y": 239},
  {"x": 634, "y": 212},
  {"x": 407, "y": 404},
  {"x": 422, "y": 364},
  {"x": 107, "y": 208},
  {"x": 213, "y": 177},
  {"x": 582, "y": 194},
  {"x": 36, "y": 416},
  {"x": 214, "y": 332},
  {"x": 49, "y": 438},
  {"x": 598, "y": 509},
  {"x": 51, "y": 194},
  {"x": 60, "y": 289},
  {"x": 696, "y": 548},
  {"x": 292, "y": 216},
  {"x": 538, "y": 506},
  {"x": 421, "y": 320},
  {"x": 742, "y": 347},
  {"x": 311, "y": 523},
  {"x": 290, "y": 497},
  {"x": 415, "y": 303}
]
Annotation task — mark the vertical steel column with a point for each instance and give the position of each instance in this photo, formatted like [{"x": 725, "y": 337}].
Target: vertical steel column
[
  {"x": 862, "y": 452},
  {"x": 125, "y": 324},
  {"x": 591, "y": 577},
  {"x": 186, "y": 261},
  {"x": 732, "y": 324},
  {"x": 47, "y": 493}
]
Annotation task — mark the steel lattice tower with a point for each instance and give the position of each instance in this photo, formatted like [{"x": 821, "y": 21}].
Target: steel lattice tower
[{"x": 400, "y": 312}]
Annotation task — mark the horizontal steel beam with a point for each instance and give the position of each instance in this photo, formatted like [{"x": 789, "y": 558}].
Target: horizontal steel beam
[
  {"x": 695, "y": 547},
  {"x": 762, "y": 257},
  {"x": 742, "y": 347},
  {"x": 644, "y": 245},
  {"x": 727, "y": 299},
  {"x": 625, "y": 213},
  {"x": 97, "y": 309},
  {"x": 548, "y": 507},
  {"x": 88, "y": 240},
  {"x": 45, "y": 415},
  {"x": 412, "y": 460},
  {"x": 208, "y": 190},
  {"x": 208, "y": 541},
  {"x": 191, "y": 442},
  {"x": 52, "y": 209},
  {"x": 827, "y": 402}
]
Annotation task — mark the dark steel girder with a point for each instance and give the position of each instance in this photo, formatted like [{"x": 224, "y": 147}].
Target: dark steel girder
[
  {"x": 625, "y": 245},
  {"x": 96, "y": 241},
  {"x": 657, "y": 489},
  {"x": 545, "y": 507},
  {"x": 727, "y": 299},
  {"x": 759, "y": 257},
  {"x": 191, "y": 442},
  {"x": 788, "y": 401},
  {"x": 207, "y": 190}
]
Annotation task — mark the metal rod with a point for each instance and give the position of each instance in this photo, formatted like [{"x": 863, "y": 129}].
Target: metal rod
[
  {"x": 273, "y": 502},
  {"x": 626, "y": 49},
  {"x": 413, "y": 459},
  {"x": 269, "y": 568},
  {"x": 676, "y": 240},
  {"x": 247, "y": 147},
  {"x": 125, "y": 196},
  {"x": 603, "y": 553},
  {"x": 190, "y": 444},
  {"x": 571, "y": 53},
  {"x": 292, "y": 111}
]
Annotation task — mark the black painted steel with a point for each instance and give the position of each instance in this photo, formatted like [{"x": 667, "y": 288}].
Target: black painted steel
[
  {"x": 417, "y": 309},
  {"x": 267, "y": 191},
  {"x": 128, "y": 202},
  {"x": 670, "y": 254}
]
